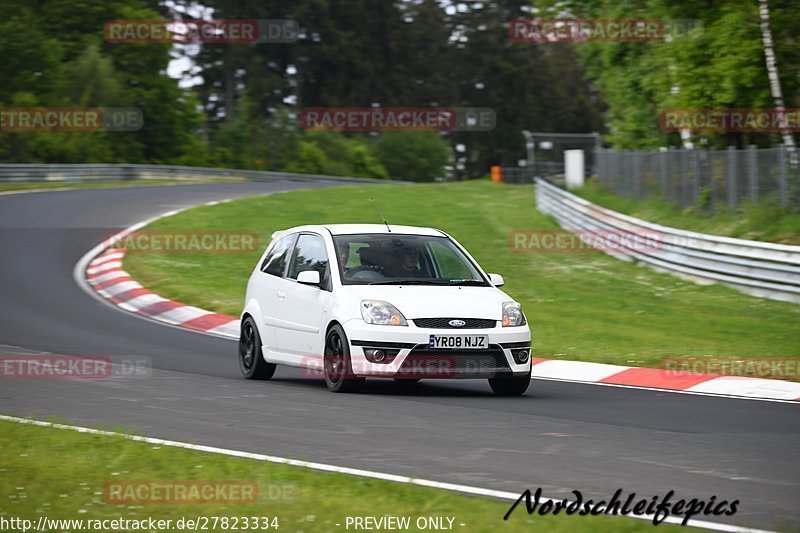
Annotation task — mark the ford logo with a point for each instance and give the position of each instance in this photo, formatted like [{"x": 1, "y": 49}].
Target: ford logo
[{"x": 457, "y": 323}]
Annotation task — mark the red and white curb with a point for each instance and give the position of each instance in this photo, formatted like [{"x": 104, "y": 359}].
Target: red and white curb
[
  {"x": 105, "y": 276},
  {"x": 669, "y": 380}
]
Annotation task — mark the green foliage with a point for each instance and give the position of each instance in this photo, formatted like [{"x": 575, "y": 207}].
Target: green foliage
[
  {"x": 761, "y": 222},
  {"x": 310, "y": 160},
  {"x": 60, "y": 61},
  {"x": 389, "y": 54},
  {"x": 413, "y": 155},
  {"x": 720, "y": 63}
]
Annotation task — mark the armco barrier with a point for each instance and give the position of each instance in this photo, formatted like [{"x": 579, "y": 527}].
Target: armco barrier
[
  {"x": 107, "y": 172},
  {"x": 762, "y": 269}
]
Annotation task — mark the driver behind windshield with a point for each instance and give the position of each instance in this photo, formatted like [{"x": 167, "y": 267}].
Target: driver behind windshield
[{"x": 409, "y": 261}]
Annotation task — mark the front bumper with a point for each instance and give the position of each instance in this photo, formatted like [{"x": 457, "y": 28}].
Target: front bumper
[{"x": 413, "y": 358}]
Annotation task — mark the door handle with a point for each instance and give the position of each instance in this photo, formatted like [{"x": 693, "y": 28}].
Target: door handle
[{"x": 281, "y": 295}]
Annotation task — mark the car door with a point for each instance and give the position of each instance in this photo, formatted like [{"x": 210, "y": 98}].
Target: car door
[
  {"x": 304, "y": 306},
  {"x": 267, "y": 286}
]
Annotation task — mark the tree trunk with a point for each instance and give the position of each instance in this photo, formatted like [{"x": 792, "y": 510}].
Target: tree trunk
[{"x": 774, "y": 79}]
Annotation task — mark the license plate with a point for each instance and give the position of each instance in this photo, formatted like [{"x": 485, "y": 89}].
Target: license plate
[{"x": 462, "y": 342}]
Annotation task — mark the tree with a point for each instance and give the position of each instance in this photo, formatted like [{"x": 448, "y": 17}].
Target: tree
[{"x": 412, "y": 155}]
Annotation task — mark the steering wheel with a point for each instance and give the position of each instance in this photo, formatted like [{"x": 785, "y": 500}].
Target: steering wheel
[
  {"x": 362, "y": 268},
  {"x": 357, "y": 273}
]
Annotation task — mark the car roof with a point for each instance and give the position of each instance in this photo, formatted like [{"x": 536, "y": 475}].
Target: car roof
[{"x": 352, "y": 229}]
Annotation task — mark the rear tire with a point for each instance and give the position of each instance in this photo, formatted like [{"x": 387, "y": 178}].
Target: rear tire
[
  {"x": 338, "y": 371},
  {"x": 251, "y": 359},
  {"x": 513, "y": 386}
]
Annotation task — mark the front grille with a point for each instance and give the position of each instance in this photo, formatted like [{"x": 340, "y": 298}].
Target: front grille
[
  {"x": 442, "y": 323},
  {"x": 440, "y": 363}
]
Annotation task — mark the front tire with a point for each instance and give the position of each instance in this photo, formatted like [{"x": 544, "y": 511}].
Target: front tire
[
  {"x": 339, "y": 375},
  {"x": 511, "y": 386},
  {"x": 251, "y": 359}
]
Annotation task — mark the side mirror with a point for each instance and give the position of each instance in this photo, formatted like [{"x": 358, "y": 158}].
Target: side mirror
[
  {"x": 496, "y": 280},
  {"x": 308, "y": 277}
]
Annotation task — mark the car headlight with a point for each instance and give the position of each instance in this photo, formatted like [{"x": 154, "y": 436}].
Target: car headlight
[
  {"x": 512, "y": 314},
  {"x": 381, "y": 313}
]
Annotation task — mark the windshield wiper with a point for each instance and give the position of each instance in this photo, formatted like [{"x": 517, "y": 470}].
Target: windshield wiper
[
  {"x": 409, "y": 281},
  {"x": 418, "y": 281}
]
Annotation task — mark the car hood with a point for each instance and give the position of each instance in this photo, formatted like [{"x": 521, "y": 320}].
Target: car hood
[{"x": 425, "y": 301}]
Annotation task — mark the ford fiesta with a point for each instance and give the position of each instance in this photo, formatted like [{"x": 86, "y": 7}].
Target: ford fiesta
[{"x": 352, "y": 301}]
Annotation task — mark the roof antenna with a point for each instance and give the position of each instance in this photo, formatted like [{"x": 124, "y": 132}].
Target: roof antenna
[{"x": 381, "y": 214}]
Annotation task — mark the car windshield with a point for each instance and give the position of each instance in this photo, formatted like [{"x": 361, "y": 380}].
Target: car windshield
[{"x": 395, "y": 259}]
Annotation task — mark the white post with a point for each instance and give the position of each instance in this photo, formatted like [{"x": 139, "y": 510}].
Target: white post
[{"x": 573, "y": 168}]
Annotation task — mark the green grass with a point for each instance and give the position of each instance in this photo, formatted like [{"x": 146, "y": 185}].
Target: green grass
[
  {"x": 581, "y": 306},
  {"x": 753, "y": 221},
  {"x": 24, "y": 186},
  {"x": 61, "y": 474}
]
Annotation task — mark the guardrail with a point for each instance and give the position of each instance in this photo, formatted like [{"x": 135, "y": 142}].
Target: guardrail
[
  {"x": 762, "y": 269},
  {"x": 78, "y": 173}
]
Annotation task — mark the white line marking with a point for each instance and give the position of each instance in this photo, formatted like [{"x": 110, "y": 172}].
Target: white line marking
[{"x": 466, "y": 489}]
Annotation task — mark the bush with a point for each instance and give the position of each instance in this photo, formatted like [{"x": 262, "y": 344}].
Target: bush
[
  {"x": 334, "y": 154},
  {"x": 413, "y": 155}
]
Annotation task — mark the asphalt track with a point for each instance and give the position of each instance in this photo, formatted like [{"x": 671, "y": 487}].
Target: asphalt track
[{"x": 560, "y": 436}]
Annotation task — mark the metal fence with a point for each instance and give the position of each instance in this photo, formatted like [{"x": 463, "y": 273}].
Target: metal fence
[
  {"x": 705, "y": 178},
  {"x": 517, "y": 175},
  {"x": 77, "y": 173},
  {"x": 763, "y": 269}
]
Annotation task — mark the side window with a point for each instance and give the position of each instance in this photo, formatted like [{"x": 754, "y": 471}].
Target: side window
[
  {"x": 309, "y": 254},
  {"x": 275, "y": 262}
]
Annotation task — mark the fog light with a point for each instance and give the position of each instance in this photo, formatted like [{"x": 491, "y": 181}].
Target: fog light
[
  {"x": 521, "y": 356},
  {"x": 379, "y": 355}
]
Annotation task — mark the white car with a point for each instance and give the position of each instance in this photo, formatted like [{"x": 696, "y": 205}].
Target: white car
[{"x": 352, "y": 301}]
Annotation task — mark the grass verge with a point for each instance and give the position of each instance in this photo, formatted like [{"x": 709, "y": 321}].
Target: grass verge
[
  {"x": 581, "y": 306},
  {"x": 61, "y": 474},
  {"x": 753, "y": 221}
]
